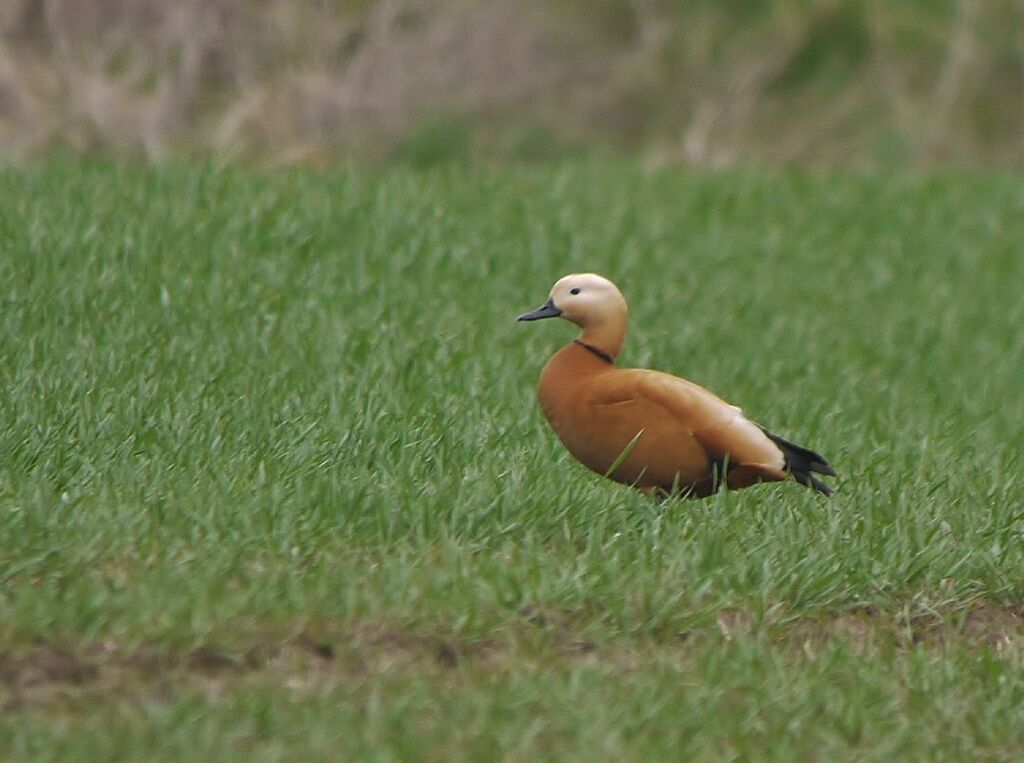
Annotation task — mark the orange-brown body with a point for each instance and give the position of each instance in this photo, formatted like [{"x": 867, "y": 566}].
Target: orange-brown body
[
  {"x": 649, "y": 429},
  {"x": 684, "y": 433}
]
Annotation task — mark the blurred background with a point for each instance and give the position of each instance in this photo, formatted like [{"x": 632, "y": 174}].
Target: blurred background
[{"x": 815, "y": 83}]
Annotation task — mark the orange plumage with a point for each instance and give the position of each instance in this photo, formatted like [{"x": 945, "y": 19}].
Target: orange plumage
[{"x": 648, "y": 429}]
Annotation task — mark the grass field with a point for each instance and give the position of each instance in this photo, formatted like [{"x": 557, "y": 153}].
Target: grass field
[{"x": 274, "y": 485}]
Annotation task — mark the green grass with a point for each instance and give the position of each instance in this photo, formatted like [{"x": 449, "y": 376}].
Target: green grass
[{"x": 274, "y": 485}]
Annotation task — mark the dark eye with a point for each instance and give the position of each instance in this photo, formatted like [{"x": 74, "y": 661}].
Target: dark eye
[{"x": 574, "y": 290}]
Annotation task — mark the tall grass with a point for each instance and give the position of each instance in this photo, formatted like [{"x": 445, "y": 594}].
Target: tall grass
[
  {"x": 273, "y": 483},
  {"x": 813, "y": 83}
]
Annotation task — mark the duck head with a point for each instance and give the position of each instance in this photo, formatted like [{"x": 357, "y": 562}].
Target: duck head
[{"x": 594, "y": 304}]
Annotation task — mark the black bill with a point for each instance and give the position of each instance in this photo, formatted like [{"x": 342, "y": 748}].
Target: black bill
[{"x": 547, "y": 310}]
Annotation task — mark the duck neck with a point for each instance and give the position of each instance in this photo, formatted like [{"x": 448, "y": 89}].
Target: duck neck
[{"x": 604, "y": 339}]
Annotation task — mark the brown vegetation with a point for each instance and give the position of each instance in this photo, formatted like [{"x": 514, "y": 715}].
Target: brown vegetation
[
  {"x": 704, "y": 83},
  {"x": 47, "y": 673}
]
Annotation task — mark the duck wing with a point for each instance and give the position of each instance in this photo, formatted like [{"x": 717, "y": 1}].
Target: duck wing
[{"x": 729, "y": 439}]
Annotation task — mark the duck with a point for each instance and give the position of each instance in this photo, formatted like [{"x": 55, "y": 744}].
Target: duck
[{"x": 656, "y": 432}]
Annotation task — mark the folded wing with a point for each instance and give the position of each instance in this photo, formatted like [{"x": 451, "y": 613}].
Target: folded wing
[{"x": 728, "y": 440}]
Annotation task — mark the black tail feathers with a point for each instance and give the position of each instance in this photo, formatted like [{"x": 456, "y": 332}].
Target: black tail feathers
[{"x": 803, "y": 464}]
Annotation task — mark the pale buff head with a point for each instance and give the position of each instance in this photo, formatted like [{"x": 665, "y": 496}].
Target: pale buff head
[{"x": 594, "y": 304}]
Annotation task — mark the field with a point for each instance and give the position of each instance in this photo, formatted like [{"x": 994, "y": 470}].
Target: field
[{"x": 274, "y": 485}]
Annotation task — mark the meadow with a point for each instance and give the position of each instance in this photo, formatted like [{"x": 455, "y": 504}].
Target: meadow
[{"x": 274, "y": 485}]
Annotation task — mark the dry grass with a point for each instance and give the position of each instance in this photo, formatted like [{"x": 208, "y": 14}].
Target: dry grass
[{"x": 702, "y": 83}]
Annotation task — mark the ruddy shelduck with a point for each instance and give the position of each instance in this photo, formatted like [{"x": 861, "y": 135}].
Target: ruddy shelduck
[{"x": 654, "y": 431}]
